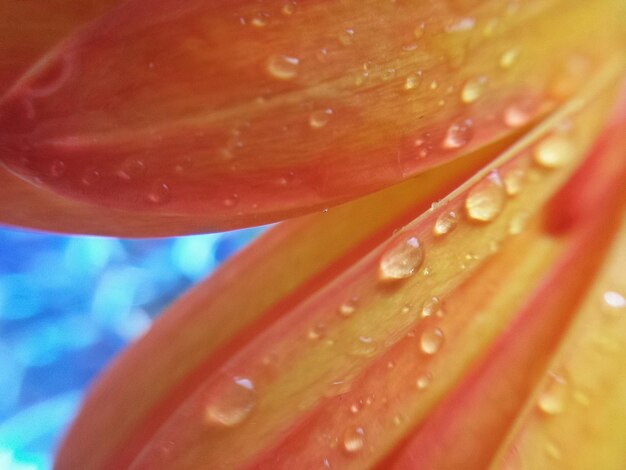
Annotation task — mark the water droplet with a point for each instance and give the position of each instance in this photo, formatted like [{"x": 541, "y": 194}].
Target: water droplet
[
  {"x": 283, "y": 67},
  {"x": 516, "y": 116},
  {"x": 431, "y": 340},
  {"x": 581, "y": 398},
  {"x": 614, "y": 299},
  {"x": 159, "y": 193},
  {"x": 418, "y": 32},
  {"x": 320, "y": 118},
  {"x": 473, "y": 89},
  {"x": 459, "y": 134},
  {"x": 346, "y": 38},
  {"x": 486, "y": 200},
  {"x": 316, "y": 332},
  {"x": 259, "y": 20},
  {"x": 508, "y": 59},
  {"x": 518, "y": 223},
  {"x": 132, "y": 168},
  {"x": 231, "y": 201},
  {"x": 402, "y": 259},
  {"x": 513, "y": 180},
  {"x": 288, "y": 9},
  {"x": 446, "y": 223},
  {"x": 90, "y": 176},
  {"x": 231, "y": 402},
  {"x": 423, "y": 381},
  {"x": 354, "y": 439},
  {"x": 552, "y": 399},
  {"x": 56, "y": 169},
  {"x": 355, "y": 407},
  {"x": 365, "y": 347},
  {"x": 431, "y": 307},
  {"x": 461, "y": 25},
  {"x": 348, "y": 308},
  {"x": 412, "y": 81},
  {"x": 553, "y": 451},
  {"x": 554, "y": 152}
]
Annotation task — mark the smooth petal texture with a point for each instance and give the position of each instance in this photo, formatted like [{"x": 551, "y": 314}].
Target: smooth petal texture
[
  {"x": 237, "y": 113},
  {"x": 265, "y": 377}
]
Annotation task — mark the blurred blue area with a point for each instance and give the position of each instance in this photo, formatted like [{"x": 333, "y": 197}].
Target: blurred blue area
[{"x": 67, "y": 306}]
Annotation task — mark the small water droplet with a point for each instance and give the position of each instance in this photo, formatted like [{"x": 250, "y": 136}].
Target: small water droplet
[
  {"x": 513, "y": 180},
  {"x": 132, "y": 168},
  {"x": 509, "y": 58},
  {"x": 418, "y": 32},
  {"x": 56, "y": 169},
  {"x": 473, "y": 89},
  {"x": 486, "y": 200},
  {"x": 231, "y": 402},
  {"x": 346, "y": 38},
  {"x": 259, "y": 20},
  {"x": 288, "y": 9},
  {"x": 412, "y": 81},
  {"x": 402, "y": 259},
  {"x": 614, "y": 299},
  {"x": 423, "y": 381},
  {"x": 459, "y": 134},
  {"x": 283, "y": 67},
  {"x": 431, "y": 340},
  {"x": 316, "y": 332},
  {"x": 354, "y": 439},
  {"x": 434, "y": 85},
  {"x": 554, "y": 152},
  {"x": 348, "y": 308},
  {"x": 461, "y": 25},
  {"x": 552, "y": 399},
  {"x": 431, "y": 307},
  {"x": 515, "y": 116},
  {"x": 553, "y": 451},
  {"x": 518, "y": 223},
  {"x": 365, "y": 346},
  {"x": 90, "y": 176},
  {"x": 446, "y": 223},
  {"x": 320, "y": 118},
  {"x": 159, "y": 193},
  {"x": 231, "y": 201}
]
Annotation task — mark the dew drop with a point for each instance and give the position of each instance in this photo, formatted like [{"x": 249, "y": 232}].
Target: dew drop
[
  {"x": 486, "y": 200},
  {"x": 316, "y": 332},
  {"x": 431, "y": 307},
  {"x": 518, "y": 223},
  {"x": 365, "y": 346},
  {"x": 552, "y": 399},
  {"x": 509, "y": 58},
  {"x": 354, "y": 439},
  {"x": 231, "y": 403},
  {"x": 159, "y": 193},
  {"x": 288, "y": 9},
  {"x": 320, "y": 118},
  {"x": 259, "y": 20},
  {"x": 418, "y": 32},
  {"x": 412, "y": 81},
  {"x": 445, "y": 223},
  {"x": 346, "y": 38},
  {"x": 614, "y": 299},
  {"x": 283, "y": 67},
  {"x": 423, "y": 381},
  {"x": 402, "y": 259},
  {"x": 431, "y": 340},
  {"x": 56, "y": 169},
  {"x": 90, "y": 176},
  {"x": 459, "y": 134},
  {"x": 473, "y": 89},
  {"x": 515, "y": 116},
  {"x": 132, "y": 168},
  {"x": 348, "y": 308},
  {"x": 554, "y": 152},
  {"x": 513, "y": 180},
  {"x": 231, "y": 201}
]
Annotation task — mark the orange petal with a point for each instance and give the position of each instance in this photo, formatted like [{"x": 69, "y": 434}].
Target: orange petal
[
  {"x": 249, "y": 114},
  {"x": 228, "y": 388}
]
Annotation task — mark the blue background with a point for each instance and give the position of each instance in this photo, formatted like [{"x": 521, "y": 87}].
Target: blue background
[{"x": 68, "y": 305}]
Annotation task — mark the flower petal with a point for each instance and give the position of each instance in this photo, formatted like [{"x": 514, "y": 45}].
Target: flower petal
[
  {"x": 253, "y": 382},
  {"x": 248, "y": 114}
]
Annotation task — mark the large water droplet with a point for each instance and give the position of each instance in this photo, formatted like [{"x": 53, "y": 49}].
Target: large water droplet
[
  {"x": 354, "y": 439},
  {"x": 231, "y": 402},
  {"x": 459, "y": 134},
  {"x": 431, "y": 340},
  {"x": 486, "y": 200},
  {"x": 614, "y": 299},
  {"x": 283, "y": 67},
  {"x": 473, "y": 89},
  {"x": 401, "y": 259},
  {"x": 552, "y": 399},
  {"x": 446, "y": 223},
  {"x": 554, "y": 152}
]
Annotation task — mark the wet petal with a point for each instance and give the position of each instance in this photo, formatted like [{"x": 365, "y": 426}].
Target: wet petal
[
  {"x": 248, "y": 114},
  {"x": 258, "y": 382}
]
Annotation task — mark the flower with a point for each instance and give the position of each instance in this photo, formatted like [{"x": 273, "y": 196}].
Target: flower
[{"x": 448, "y": 320}]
